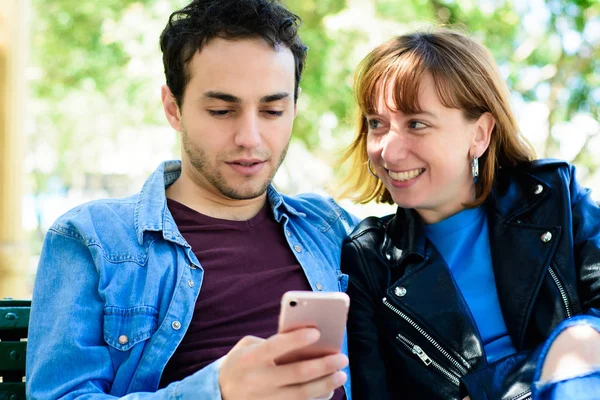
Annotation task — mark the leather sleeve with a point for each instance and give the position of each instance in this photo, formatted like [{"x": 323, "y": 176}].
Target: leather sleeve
[
  {"x": 367, "y": 361},
  {"x": 509, "y": 378},
  {"x": 586, "y": 240}
]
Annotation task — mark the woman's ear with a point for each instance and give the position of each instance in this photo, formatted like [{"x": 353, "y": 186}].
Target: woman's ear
[
  {"x": 171, "y": 108},
  {"x": 484, "y": 127}
]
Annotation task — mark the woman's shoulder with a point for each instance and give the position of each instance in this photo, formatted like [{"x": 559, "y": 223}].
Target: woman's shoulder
[
  {"x": 370, "y": 225},
  {"x": 362, "y": 258},
  {"x": 548, "y": 170},
  {"x": 544, "y": 165}
]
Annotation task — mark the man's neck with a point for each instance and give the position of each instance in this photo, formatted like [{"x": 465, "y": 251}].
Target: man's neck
[{"x": 211, "y": 204}]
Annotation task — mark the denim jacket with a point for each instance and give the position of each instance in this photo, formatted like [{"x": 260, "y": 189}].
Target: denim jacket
[{"x": 117, "y": 283}]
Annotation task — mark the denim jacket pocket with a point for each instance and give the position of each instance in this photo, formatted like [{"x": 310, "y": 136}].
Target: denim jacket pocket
[{"x": 126, "y": 327}]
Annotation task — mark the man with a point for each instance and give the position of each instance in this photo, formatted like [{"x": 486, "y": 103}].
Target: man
[{"x": 175, "y": 292}]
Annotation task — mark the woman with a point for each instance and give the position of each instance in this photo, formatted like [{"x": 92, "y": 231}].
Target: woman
[{"x": 488, "y": 251}]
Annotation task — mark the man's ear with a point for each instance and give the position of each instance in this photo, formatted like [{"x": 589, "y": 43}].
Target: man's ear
[
  {"x": 171, "y": 108},
  {"x": 484, "y": 127}
]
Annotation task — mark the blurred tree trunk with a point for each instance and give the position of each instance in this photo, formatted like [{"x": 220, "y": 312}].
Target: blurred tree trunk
[{"x": 13, "y": 247}]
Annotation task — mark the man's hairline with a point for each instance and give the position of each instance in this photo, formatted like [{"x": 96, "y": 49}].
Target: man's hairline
[{"x": 276, "y": 48}]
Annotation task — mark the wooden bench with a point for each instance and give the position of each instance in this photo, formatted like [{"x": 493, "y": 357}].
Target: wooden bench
[{"x": 14, "y": 318}]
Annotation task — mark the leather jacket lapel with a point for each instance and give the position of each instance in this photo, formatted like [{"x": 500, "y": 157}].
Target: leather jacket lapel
[
  {"x": 427, "y": 292},
  {"x": 521, "y": 250},
  {"x": 404, "y": 239}
]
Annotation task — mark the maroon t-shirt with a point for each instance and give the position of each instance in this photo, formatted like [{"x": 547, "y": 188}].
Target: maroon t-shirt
[{"x": 248, "y": 266}]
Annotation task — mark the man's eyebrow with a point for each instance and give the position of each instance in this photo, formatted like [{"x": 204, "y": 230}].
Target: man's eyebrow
[
  {"x": 274, "y": 97},
  {"x": 226, "y": 97}
]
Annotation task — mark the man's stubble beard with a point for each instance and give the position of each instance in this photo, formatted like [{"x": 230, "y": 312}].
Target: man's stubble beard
[{"x": 200, "y": 162}]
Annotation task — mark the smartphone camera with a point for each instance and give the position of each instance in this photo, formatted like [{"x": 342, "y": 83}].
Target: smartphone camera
[{"x": 293, "y": 304}]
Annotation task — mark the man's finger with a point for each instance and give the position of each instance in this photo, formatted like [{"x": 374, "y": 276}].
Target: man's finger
[
  {"x": 310, "y": 370},
  {"x": 248, "y": 341},
  {"x": 319, "y": 387},
  {"x": 282, "y": 343}
]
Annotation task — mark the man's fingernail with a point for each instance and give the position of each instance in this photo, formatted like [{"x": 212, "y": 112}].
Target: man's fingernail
[
  {"x": 342, "y": 361},
  {"x": 340, "y": 377}
]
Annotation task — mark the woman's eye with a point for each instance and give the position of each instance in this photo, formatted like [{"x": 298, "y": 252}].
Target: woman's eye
[
  {"x": 374, "y": 124},
  {"x": 416, "y": 125}
]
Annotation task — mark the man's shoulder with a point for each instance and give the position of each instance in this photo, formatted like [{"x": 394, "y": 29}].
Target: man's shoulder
[
  {"x": 98, "y": 218},
  {"x": 318, "y": 206},
  {"x": 311, "y": 202}
]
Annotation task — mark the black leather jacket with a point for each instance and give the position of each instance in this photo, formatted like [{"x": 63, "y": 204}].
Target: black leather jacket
[{"x": 411, "y": 334}]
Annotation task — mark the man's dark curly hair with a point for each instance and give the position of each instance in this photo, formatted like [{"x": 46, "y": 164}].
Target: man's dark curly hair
[{"x": 195, "y": 25}]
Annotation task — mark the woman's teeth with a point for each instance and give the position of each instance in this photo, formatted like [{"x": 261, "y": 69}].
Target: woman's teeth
[{"x": 405, "y": 175}]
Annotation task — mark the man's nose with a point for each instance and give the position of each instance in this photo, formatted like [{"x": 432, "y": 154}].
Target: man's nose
[{"x": 248, "y": 132}]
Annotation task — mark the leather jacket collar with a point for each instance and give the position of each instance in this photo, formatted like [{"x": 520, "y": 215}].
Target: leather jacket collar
[
  {"x": 516, "y": 211},
  {"x": 508, "y": 200}
]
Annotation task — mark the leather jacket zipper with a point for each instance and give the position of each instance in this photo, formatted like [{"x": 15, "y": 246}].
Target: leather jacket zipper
[
  {"x": 523, "y": 396},
  {"x": 431, "y": 340},
  {"x": 418, "y": 351},
  {"x": 561, "y": 289}
]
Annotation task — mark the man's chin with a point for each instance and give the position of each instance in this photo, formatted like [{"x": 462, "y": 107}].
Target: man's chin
[{"x": 245, "y": 193}]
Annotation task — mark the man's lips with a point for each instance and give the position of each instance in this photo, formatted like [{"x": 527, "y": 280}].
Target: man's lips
[
  {"x": 246, "y": 163},
  {"x": 247, "y": 166}
]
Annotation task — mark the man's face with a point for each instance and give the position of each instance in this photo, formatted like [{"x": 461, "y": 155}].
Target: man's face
[{"x": 237, "y": 115}]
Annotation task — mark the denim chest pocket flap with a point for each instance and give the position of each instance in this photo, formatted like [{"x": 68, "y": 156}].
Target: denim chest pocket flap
[{"x": 126, "y": 327}]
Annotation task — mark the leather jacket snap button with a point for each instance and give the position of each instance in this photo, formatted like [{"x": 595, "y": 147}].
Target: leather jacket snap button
[
  {"x": 546, "y": 237},
  {"x": 538, "y": 189},
  {"x": 400, "y": 291}
]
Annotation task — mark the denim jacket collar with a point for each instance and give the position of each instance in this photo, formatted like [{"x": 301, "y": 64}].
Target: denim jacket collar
[{"x": 152, "y": 213}]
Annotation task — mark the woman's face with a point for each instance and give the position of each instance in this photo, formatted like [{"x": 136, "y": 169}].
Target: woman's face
[{"x": 424, "y": 159}]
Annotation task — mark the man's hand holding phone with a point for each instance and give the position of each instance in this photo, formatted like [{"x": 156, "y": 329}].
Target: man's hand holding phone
[
  {"x": 302, "y": 361},
  {"x": 249, "y": 370}
]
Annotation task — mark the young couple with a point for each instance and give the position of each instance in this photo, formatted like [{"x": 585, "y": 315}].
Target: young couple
[{"x": 475, "y": 288}]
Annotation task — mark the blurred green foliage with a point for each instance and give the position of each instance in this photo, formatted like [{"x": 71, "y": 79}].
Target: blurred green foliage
[{"x": 96, "y": 67}]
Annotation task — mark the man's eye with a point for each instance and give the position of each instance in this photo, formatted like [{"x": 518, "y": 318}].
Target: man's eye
[
  {"x": 274, "y": 113},
  {"x": 218, "y": 113}
]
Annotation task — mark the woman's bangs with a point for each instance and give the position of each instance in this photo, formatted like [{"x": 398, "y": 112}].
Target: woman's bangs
[{"x": 402, "y": 75}]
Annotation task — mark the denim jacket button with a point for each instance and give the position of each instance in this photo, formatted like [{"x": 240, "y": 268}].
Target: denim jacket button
[
  {"x": 191, "y": 283},
  {"x": 319, "y": 286},
  {"x": 123, "y": 339},
  {"x": 176, "y": 325},
  {"x": 298, "y": 248}
]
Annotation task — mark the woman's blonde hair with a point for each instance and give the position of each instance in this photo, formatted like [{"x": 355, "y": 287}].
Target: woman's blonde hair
[{"x": 466, "y": 77}]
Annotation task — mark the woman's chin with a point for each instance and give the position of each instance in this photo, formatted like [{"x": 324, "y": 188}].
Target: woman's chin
[{"x": 404, "y": 202}]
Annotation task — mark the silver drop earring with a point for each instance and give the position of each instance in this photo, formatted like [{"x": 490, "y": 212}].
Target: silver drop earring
[{"x": 475, "y": 168}]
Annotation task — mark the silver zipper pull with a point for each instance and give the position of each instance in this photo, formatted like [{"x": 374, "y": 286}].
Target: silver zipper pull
[{"x": 421, "y": 354}]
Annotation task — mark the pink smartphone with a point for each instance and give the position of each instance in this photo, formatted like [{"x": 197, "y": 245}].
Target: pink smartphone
[{"x": 326, "y": 311}]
